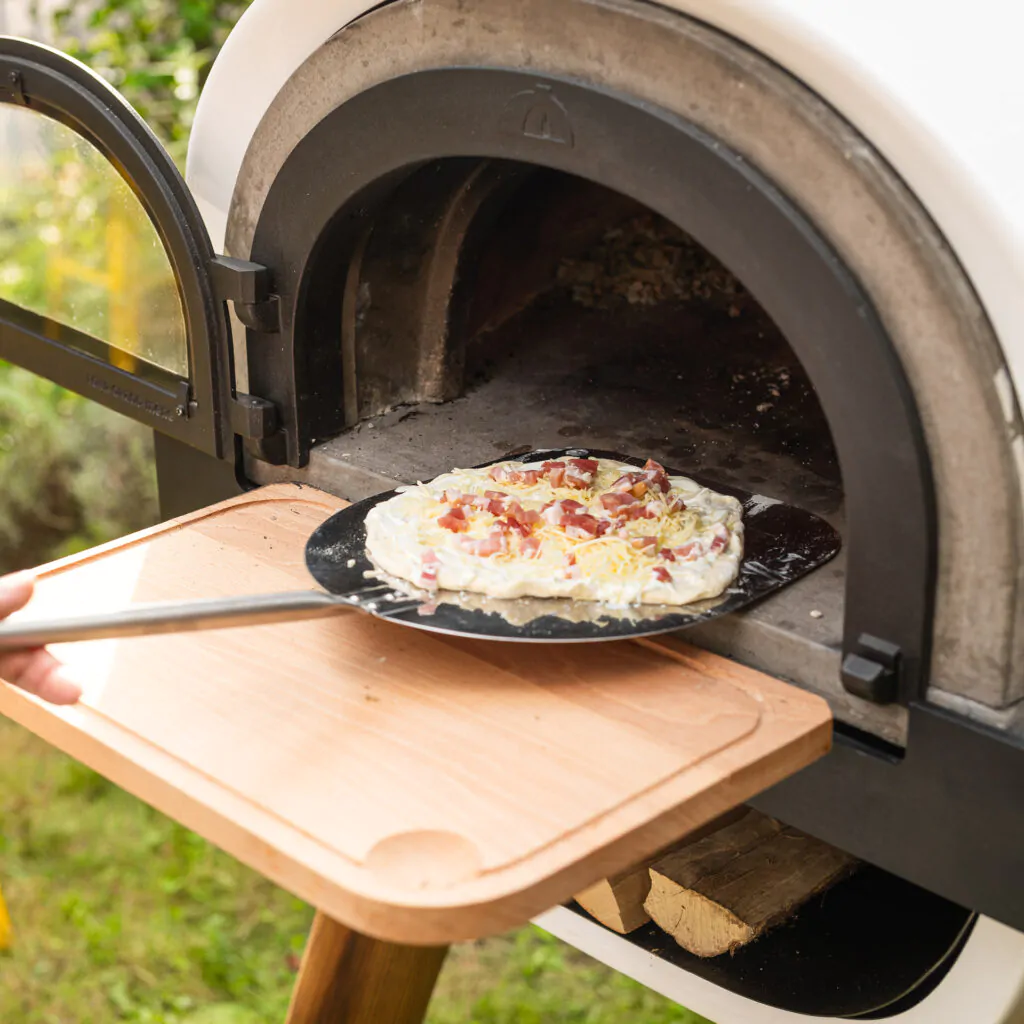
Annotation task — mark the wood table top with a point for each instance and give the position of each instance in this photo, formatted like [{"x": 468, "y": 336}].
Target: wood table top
[{"x": 419, "y": 788}]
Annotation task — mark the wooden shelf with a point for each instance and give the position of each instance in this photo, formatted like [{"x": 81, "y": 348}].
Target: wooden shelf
[{"x": 418, "y": 788}]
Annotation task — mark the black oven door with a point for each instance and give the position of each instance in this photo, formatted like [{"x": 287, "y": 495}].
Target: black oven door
[{"x": 108, "y": 283}]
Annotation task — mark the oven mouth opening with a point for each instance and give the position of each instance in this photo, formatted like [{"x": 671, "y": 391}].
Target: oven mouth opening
[
  {"x": 415, "y": 337},
  {"x": 573, "y": 315}
]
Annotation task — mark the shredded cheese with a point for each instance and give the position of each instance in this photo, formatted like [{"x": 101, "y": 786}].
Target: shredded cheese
[{"x": 607, "y": 568}]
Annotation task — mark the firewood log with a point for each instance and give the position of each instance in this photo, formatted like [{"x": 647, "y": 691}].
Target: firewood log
[{"x": 725, "y": 890}]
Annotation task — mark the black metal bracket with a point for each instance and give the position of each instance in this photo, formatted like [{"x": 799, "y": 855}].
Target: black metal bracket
[
  {"x": 256, "y": 421},
  {"x": 16, "y": 82},
  {"x": 253, "y": 417},
  {"x": 247, "y": 286},
  {"x": 871, "y": 670}
]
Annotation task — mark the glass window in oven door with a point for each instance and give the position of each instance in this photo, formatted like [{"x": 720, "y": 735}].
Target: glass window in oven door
[
  {"x": 80, "y": 260},
  {"x": 106, "y": 279}
]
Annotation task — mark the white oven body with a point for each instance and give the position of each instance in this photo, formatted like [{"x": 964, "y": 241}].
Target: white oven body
[
  {"x": 984, "y": 986},
  {"x": 940, "y": 96}
]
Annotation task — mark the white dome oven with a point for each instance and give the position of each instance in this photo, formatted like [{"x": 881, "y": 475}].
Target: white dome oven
[{"x": 774, "y": 242}]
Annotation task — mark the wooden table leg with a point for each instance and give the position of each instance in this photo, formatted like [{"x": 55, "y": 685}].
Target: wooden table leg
[{"x": 348, "y": 978}]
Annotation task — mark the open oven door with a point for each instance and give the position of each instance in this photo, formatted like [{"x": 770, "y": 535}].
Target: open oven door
[{"x": 108, "y": 282}]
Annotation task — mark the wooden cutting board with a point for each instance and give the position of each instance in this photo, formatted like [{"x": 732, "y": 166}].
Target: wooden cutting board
[{"x": 418, "y": 788}]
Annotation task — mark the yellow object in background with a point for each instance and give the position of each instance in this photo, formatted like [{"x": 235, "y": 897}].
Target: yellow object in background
[{"x": 5, "y": 925}]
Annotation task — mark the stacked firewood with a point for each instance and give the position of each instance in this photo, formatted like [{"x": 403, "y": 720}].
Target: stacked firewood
[{"x": 721, "y": 886}]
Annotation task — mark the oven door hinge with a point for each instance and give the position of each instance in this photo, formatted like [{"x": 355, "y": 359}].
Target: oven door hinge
[
  {"x": 16, "y": 87},
  {"x": 256, "y": 421},
  {"x": 247, "y": 286},
  {"x": 253, "y": 418}
]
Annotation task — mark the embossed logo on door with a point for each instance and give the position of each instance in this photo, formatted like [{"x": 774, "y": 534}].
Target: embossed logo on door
[{"x": 537, "y": 114}]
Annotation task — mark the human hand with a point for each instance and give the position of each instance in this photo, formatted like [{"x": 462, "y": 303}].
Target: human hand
[{"x": 36, "y": 670}]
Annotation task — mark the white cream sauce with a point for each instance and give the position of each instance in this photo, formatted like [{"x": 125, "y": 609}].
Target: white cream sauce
[{"x": 608, "y": 568}]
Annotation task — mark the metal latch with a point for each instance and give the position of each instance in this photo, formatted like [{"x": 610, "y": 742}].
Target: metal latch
[
  {"x": 247, "y": 286},
  {"x": 252, "y": 417},
  {"x": 871, "y": 669}
]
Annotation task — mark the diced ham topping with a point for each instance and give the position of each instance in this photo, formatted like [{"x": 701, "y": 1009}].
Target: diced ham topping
[
  {"x": 720, "y": 539},
  {"x": 689, "y": 551},
  {"x": 627, "y": 481},
  {"x": 428, "y": 570},
  {"x": 507, "y": 475},
  {"x": 555, "y": 472},
  {"x": 622, "y": 503},
  {"x": 555, "y": 512},
  {"x": 630, "y": 513},
  {"x": 510, "y": 524},
  {"x": 581, "y": 526},
  {"x": 492, "y": 544},
  {"x": 645, "y": 544},
  {"x": 579, "y": 473},
  {"x": 654, "y": 474},
  {"x": 489, "y": 501},
  {"x": 615, "y": 500},
  {"x": 455, "y": 520}
]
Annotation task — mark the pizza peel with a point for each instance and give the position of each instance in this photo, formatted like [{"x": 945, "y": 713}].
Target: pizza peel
[{"x": 781, "y": 544}]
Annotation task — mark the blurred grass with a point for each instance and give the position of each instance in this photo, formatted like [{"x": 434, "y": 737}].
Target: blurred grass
[{"x": 119, "y": 914}]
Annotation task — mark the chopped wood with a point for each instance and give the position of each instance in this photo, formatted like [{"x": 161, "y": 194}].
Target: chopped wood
[
  {"x": 618, "y": 902},
  {"x": 725, "y": 890}
]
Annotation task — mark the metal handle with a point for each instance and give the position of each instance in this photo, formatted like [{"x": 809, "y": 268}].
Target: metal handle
[{"x": 177, "y": 617}]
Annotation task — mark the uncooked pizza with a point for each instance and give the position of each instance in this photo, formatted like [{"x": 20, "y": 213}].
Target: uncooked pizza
[{"x": 590, "y": 529}]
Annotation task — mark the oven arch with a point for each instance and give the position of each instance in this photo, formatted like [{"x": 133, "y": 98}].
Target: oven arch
[{"x": 922, "y": 297}]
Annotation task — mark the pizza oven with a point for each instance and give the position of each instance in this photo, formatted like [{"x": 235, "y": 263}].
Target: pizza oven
[{"x": 452, "y": 231}]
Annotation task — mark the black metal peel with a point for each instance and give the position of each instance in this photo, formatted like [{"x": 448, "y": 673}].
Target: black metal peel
[{"x": 781, "y": 544}]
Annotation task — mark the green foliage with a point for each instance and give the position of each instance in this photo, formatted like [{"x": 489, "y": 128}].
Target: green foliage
[
  {"x": 72, "y": 474},
  {"x": 157, "y": 53}
]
